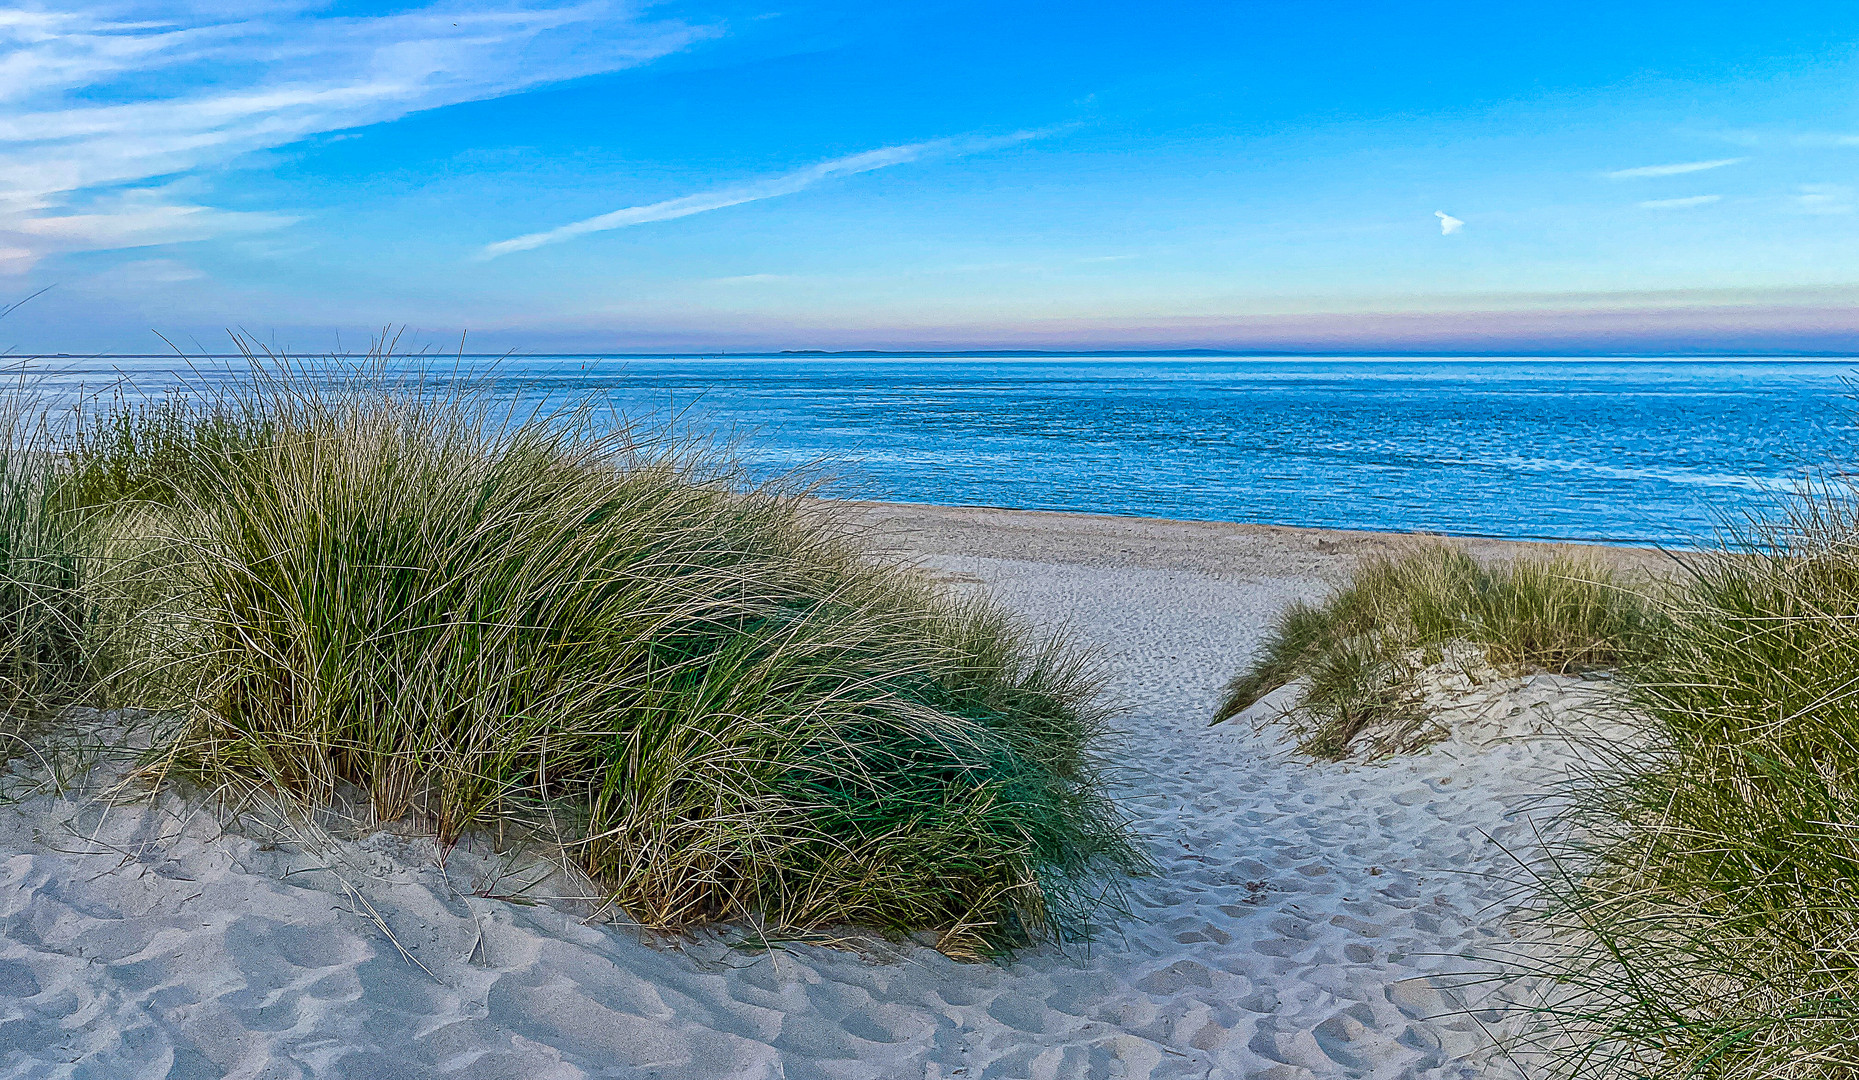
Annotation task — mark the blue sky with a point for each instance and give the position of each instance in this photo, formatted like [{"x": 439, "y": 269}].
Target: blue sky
[{"x": 592, "y": 176}]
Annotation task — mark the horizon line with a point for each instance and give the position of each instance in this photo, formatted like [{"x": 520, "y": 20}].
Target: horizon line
[{"x": 702, "y": 354}]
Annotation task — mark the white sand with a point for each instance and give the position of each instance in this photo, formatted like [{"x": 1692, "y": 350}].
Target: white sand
[{"x": 1293, "y": 930}]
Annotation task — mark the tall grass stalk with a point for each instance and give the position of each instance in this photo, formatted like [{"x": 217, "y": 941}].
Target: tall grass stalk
[{"x": 723, "y": 702}]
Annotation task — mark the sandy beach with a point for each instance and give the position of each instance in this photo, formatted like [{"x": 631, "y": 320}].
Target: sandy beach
[{"x": 1306, "y": 920}]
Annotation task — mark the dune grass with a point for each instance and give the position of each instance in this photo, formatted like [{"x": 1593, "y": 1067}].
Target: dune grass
[
  {"x": 1359, "y": 651},
  {"x": 47, "y": 661},
  {"x": 1708, "y": 906},
  {"x": 155, "y": 449},
  {"x": 711, "y": 693},
  {"x": 1699, "y": 896}
]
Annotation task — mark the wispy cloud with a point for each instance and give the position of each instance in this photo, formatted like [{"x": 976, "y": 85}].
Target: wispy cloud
[
  {"x": 1678, "y": 169},
  {"x": 748, "y": 279},
  {"x": 1821, "y": 140},
  {"x": 1825, "y": 199},
  {"x": 82, "y": 134},
  {"x": 1447, "y": 223},
  {"x": 1680, "y": 204},
  {"x": 773, "y": 187},
  {"x": 140, "y": 273}
]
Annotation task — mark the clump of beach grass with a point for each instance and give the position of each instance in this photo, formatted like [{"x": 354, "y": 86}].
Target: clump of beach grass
[
  {"x": 1358, "y": 653},
  {"x": 1705, "y": 908},
  {"x": 717, "y": 698},
  {"x": 47, "y": 659},
  {"x": 139, "y": 449}
]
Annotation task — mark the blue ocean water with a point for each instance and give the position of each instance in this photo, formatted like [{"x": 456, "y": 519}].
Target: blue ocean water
[
  {"x": 1606, "y": 450},
  {"x": 1647, "y": 451}
]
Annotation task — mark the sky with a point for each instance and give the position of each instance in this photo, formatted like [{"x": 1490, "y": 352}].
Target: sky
[{"x": 739, "y": 176}]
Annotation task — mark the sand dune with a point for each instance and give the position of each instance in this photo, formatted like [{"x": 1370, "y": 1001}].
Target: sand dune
[{"x": 1307, "y": 920}]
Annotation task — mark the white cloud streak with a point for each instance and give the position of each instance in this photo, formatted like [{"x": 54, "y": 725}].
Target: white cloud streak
[
  {"x": 99, "y": 99},
  {"x": 786, "y": 184},
  {"x": 1447, "y": 223},
  {"x": 1680, "y": 204},
  {"x": 1679, "y": 169},
  {"x": 1825, "y": 199}
]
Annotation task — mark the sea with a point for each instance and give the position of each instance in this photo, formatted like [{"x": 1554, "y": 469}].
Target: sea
[{"x": 1641, "y": 451}]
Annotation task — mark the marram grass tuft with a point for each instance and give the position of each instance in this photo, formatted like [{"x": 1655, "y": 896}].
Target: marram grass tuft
[
  {"x": 1359, "y": 650},
  {"x": 47, "y": 656},
  {"x": 725, "y": 705},
  {"x": 1703, "y": 913}
]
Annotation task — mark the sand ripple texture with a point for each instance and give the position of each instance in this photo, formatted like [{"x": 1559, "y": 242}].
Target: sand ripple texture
[{"x": 1296, "y": 928}]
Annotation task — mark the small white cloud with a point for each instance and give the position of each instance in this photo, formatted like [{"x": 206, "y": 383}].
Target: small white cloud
[
  {"x": 1679, "y": 169},
  {"x": 16, "y": 260},
  {"x": 1447, "y": 223},
  {"x": 1825, "y": 199},
  {"x": 1680, "y": 204}
]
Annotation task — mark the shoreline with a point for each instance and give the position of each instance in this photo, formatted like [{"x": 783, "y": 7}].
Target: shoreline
[{"x": 1228, "y": 550}]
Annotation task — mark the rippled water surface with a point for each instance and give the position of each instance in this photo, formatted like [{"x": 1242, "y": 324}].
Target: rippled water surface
[{"x": 1598, "y": 450}]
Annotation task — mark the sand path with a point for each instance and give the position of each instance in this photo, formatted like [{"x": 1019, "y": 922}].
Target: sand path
[{"x": 1291, "y": 932}]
